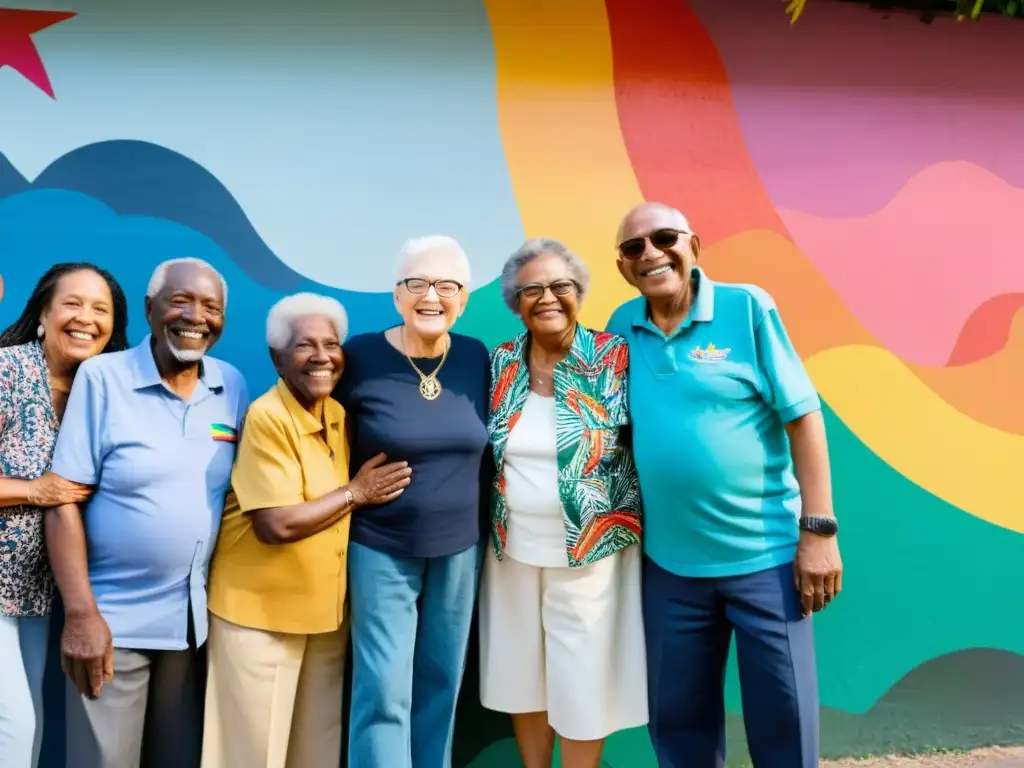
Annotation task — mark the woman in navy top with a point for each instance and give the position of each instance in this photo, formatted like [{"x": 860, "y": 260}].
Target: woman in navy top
[{"x": 416, "y": 393}]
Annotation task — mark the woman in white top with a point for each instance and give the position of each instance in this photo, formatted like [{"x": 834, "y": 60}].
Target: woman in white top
[{"x": 561, "y": 630}]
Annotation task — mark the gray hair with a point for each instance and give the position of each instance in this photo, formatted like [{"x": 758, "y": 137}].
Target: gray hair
[
  {"x": 416, "y": 248},
  {"x": 529, "y": 251},
  {"x": 159, "y": 278},
  {"x": 282, "y": 317}
]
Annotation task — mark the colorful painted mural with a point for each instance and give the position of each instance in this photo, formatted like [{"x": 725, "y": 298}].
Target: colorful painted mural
[{"x": 847, "y": 164}]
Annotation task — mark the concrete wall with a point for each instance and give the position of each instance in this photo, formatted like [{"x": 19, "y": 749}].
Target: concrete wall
[{"x": 867, "y": 171}]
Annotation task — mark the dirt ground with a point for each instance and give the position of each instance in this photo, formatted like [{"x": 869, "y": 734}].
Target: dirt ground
[{"x": 995, "y": 757}]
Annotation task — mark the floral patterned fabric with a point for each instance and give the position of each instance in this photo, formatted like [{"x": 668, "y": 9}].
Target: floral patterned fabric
[
  {"x": 597, "y": 480},
  {"x": 28, "y": 432}
]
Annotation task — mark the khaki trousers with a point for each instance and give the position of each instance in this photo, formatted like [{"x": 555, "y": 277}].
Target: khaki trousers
[{"x": 273, "y": 700}]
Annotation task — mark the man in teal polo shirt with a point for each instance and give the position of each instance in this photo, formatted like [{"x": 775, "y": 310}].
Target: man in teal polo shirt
[{"x": 739, "y": 532}]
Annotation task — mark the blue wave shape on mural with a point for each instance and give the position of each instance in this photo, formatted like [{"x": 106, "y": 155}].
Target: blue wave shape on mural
[
  {"x": 137, "y": 178},
  {"x": 40, "y": 227},
  {"x": 11, "y": 180}
]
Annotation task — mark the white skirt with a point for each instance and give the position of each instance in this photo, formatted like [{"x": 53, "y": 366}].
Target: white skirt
[{"x": 568, "y": 641}]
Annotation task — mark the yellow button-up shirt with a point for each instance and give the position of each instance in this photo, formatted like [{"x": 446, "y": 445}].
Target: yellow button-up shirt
[{"x": 286, "y": 456}]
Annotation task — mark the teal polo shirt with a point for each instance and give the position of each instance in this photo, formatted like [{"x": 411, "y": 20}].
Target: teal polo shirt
[{"x": 709, "y": 404}]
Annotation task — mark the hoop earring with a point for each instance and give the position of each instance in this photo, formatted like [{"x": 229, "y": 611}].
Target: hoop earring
[{"x": 40, "y": 331}]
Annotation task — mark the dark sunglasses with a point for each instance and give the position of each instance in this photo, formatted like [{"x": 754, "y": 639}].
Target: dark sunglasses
[
  {"x": 660, "y": 238},
  {"x": 443, "y": 288},
  {"x": 558, "y": 288}
]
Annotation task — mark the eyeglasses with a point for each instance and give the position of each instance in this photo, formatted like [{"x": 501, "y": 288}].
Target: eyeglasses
[
  {"x": 558, "y": 288},
  {"x": 443, "y": 288},
  {"x": 660, "y": 238}
]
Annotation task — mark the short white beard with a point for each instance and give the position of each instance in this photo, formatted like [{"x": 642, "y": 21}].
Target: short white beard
[{"x": 186, "y": 355}]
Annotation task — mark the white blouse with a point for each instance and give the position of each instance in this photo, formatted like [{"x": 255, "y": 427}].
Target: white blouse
[{"x": 536, "y": 528}]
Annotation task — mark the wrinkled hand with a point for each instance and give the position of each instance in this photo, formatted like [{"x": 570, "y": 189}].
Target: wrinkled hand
[
  {"x": 818, "y": 571},
  {"x": 378, "y": 482},
  {"x": 52, "y": 490},
  {"x": 87, "y": 653}
]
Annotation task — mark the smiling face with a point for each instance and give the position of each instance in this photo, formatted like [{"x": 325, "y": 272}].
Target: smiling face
[
  {"x": 313, "y": 362},
  {"x": 553, "y": 310},
  {"x": 662, "y": 269},
  {"x": 79, "y": 320},
  {"x": 427, "y": 314},
  {"x": 186, "y": 317}
]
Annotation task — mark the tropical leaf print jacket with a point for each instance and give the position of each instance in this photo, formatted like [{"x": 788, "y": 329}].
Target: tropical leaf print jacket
[{"x": 597, "y": 479}]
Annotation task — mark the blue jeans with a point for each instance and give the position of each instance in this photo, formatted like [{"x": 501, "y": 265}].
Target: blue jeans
[
  {"x": 410, "y": 632},
  {"x": 689, "y": 624},
  {"x": 23, "y": 643}
]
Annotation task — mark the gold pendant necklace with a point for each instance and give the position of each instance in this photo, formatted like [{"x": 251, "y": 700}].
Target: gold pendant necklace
[{"x": 430, "y": 387}]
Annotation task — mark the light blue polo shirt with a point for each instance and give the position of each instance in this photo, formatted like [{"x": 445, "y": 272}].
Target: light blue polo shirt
[
  {"x": 708, "y": 406},
  {"x": 161, "y": 466}
]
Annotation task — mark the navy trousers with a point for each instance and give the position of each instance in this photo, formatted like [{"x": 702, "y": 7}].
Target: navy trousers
[{"x": 689, "y": 624}]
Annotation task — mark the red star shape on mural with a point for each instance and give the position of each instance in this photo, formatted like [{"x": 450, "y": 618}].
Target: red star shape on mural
[{"x": 17, "y": 50}]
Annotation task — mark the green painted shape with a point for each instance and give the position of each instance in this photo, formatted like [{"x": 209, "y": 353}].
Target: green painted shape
[
  {"x": 487, "y": 317},
  {"x": 500, "y": 754},
  {"x": 965, "y": 700},
  {"x": 922, "y": 579}
]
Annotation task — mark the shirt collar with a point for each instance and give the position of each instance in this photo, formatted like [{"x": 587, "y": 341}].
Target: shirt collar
[
  {"x": 582, "y": 337},
  {"x": 702, "y": 310},
  {"x": 147, "y": 374},
  {"x": 308, "y": 423}
]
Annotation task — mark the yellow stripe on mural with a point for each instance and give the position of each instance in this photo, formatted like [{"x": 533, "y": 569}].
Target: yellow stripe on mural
[
  {"x": 568, "y": 164},
  {"x": 970, "y": 465}
]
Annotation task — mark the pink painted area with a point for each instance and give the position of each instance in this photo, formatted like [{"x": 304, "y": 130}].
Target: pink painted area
[
  {"x": 839, "y": 110},
  {"x": 914, "y": 271}
]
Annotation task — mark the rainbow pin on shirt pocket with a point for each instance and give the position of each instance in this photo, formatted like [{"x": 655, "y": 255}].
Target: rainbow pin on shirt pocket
[{"x": 223, "y": 433}]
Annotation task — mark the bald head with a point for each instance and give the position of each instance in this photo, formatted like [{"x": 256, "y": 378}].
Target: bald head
[{"x": 645, "y": 218}]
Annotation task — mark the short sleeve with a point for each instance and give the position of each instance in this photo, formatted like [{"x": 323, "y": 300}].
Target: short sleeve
[
  {"x": 78, "y": 454},
  {"x": 243, "y": 403},
  {"x": 624, "y": 386},
  {"x": 786, "y": 387},
  {"x": 617, "y": 361},
  {"x": 267, "y": 470}
]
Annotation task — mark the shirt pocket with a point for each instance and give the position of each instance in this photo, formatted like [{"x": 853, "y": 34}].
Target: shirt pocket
[
  {"x": 717, "y": 382},
  {"x": 319, "y": 475}
]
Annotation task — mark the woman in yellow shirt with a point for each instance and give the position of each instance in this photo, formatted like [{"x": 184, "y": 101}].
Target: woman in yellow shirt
[{"x": 277, "y": 579}]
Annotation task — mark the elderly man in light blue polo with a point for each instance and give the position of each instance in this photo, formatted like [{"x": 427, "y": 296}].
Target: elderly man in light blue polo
[
  {"x": 739, "y": 532},
  {"x": 154, "y": 431}
]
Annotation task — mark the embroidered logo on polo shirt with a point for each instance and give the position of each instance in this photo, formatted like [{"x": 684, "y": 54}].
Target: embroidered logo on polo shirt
[
  {"x": 224, "y": 433},
  {"x": 710, "y": 354}
]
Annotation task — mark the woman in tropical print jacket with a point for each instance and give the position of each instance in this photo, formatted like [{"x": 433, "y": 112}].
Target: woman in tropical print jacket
[{"x": 561, "y": 630}]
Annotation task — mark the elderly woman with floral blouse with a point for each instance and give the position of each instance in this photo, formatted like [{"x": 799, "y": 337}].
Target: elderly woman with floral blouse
[
  {"x": 561, "y": 629},
  {"x": 75, "y": 312}
]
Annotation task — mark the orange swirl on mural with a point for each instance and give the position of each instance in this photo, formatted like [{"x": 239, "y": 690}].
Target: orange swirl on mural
[
  {"x": 968, "y": 464},
  {"x": 557, "y": 115},
  {"x": 893, "y": 407},
  {"x": 817, "y": 320}
]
